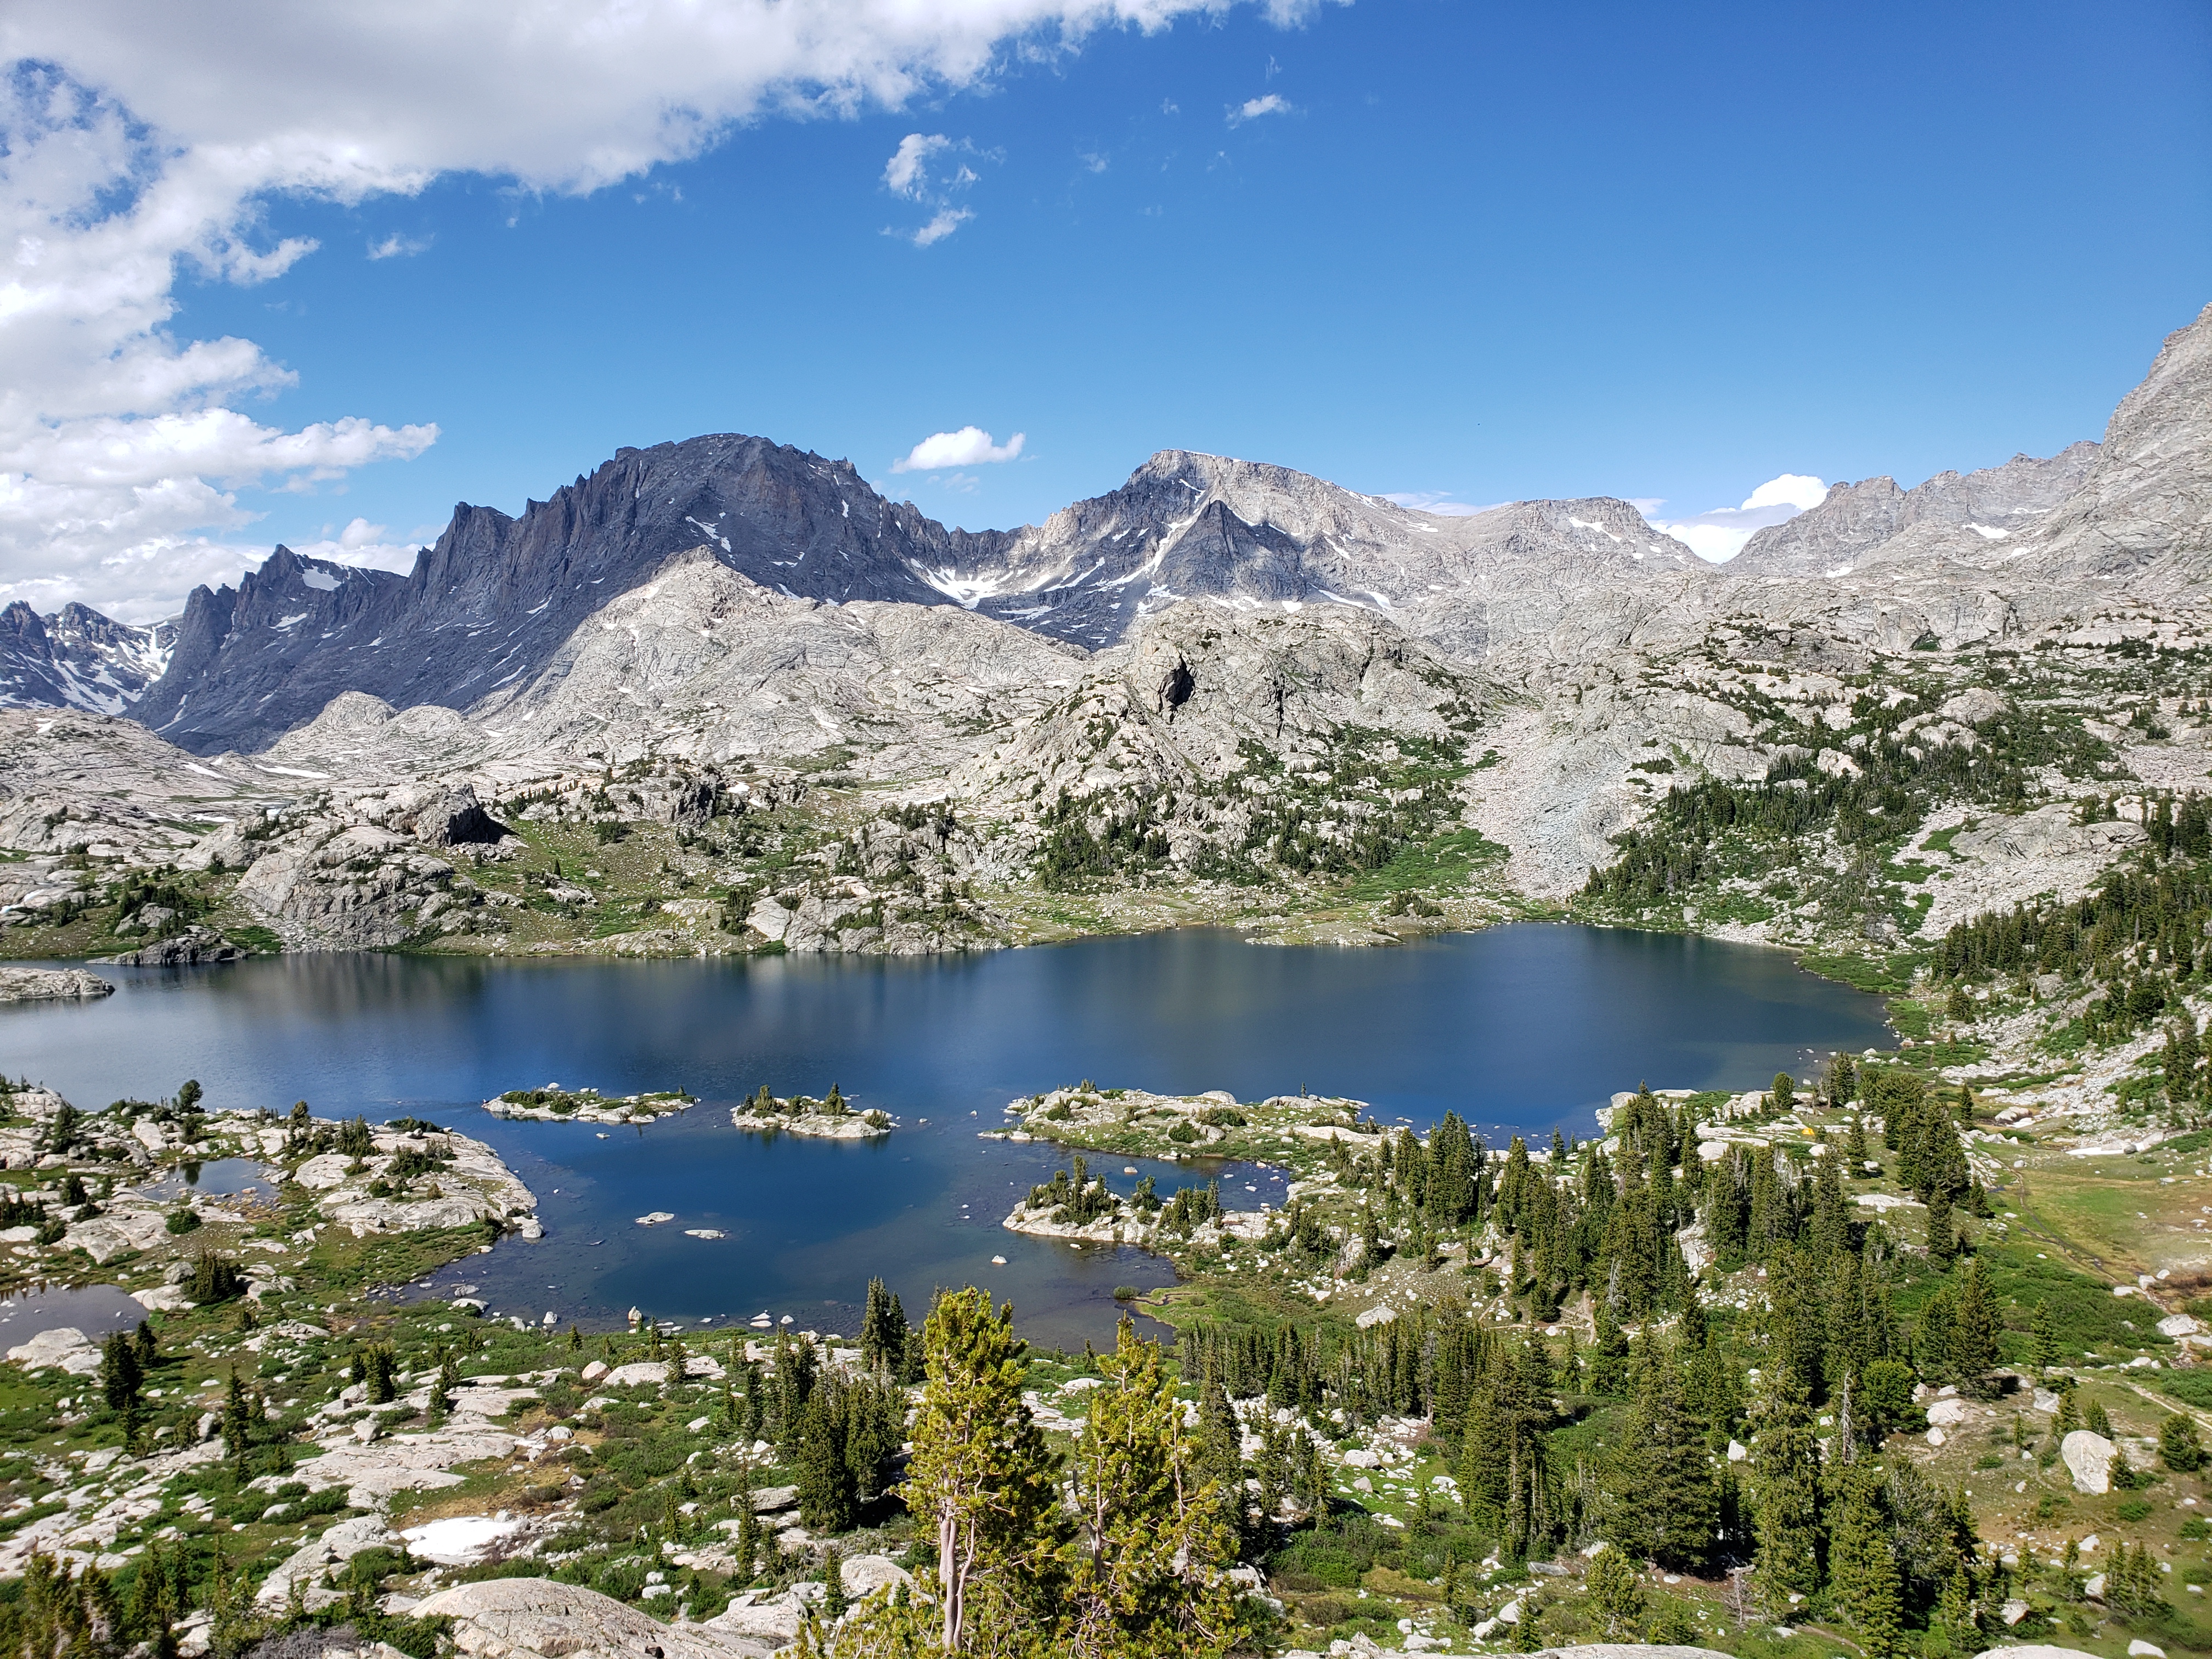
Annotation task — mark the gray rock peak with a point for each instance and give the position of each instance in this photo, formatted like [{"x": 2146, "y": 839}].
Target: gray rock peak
[
  {"x": 1858, "y": 522},
  {"x": 78, "y": 659}
]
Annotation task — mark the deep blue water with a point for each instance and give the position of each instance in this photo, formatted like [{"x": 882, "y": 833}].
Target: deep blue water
[{"x": 1521, "y": 1028}]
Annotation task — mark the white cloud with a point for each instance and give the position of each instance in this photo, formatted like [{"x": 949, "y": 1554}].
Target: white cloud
[
  {"x": 141, "y": 144},
  {"x": 397, "y": 247},
  {"x": 908, "y": 175},
  {"x": 1719, "y": 535},
  {"x": 1252, "y": 109},
  {"x": 947, "y": 221},
  {"x": 369, "y": 545},
  {"x": 970, "y": 446},
  {"x": 1790, "y": 489}
]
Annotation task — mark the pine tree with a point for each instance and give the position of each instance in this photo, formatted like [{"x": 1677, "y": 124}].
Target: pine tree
[
  {"x": 1943, "y": 1231},
  {"x": 982, "y": 1478},
  {"x": 2043, "y": 1339},
  {"x": 1862, "y": 1567},
  {"x": 237, "y": 1421},
  {"x": 1855, "y": 1145},
  {"x": 1951, "y": 1631},
  {"x": 2179, "y": 1447},
  {"x": 120, "y": 1374},
  {"x": 883, "y": 1329},
  {"x": 748, "y": 1546},
  {"x": 1662, "y": 1504},
  {"x": 1785, "y": 1481},
  {"x": 1932, "y": 1337},
  {"x": 1151, "y": 1542},
  {"x": 1608, "y": 1362},
  {"x": 2095, "y": 1419},
  {"x": 2067, "y": 1417},
  {"x": 1617, "y": 1600},
  {"x": 1974, "y": 1333}
]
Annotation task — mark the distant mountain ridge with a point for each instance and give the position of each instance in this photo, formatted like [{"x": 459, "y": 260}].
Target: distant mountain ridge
[
  {"x": 493, "y": 602},
  {"x": 78, "y": 659},
  {"x": 498, "y": 603}
]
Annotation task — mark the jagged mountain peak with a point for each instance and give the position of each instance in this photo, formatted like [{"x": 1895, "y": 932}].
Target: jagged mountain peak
[{"x": 78, "y": 659}]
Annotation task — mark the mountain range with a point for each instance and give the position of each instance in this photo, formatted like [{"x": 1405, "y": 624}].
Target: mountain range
[{"x": 496, "y": 600}]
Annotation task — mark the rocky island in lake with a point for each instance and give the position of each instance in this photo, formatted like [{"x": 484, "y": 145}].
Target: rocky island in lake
[
  {"x": 830, "y": 1118},
  {"x": 554, "y": 1104},
  {"x": 1134, "y": 1123}
]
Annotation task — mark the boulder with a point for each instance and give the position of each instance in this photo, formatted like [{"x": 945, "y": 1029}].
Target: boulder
[
  {"x": 537, "y": 1619},
  {"x": 2089, "y": 1460},
  {"x": 50, "y": 985},
  {"x": 66, "y": 1346},
  {"x": 305, "y": 1565},
  {"x": 117, "y": 1233},
  {"x": 638, "y": 1371},
  {"x": 773, "y": 1620},
  {"x": 196, "y": 944},
  {"x": 864, "y": 1575}
]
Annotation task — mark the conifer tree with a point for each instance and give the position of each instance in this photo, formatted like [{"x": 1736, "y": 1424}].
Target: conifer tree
[
  {"x": 1786, "y": 1482},
  {"x": 1220, "y": 1451},
  {"x": 829, "y": 1492},
  {"x": 1662, "y": 1504},
  {"x": 237, "y": 1420},
  {"x": 1943, "y": 1231},
  {"x": 1150, "y": 1544},
  {"x": 1932, "y": 1336},
  {"x": 1608, "y": 1361},
  {"x": 981, "y": 1481},
  {"x": 2043, "y": 1339},
  {"x": 2067, "y": 1417},
  {"x": 1974, "y": 1334},
  {"x": 1862, "y": 1567},
  {"x": 1855, "y": 1145},
  {"x": 1617, "y": 1600},
  {"x": 883, "y": 1329},
  {"x": 2096, "y": 1421},
  {"x": 2179, "y": 1446}
]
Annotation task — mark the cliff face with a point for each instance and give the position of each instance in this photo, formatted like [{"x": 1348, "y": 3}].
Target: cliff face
[{"x": 493, "y": 600}]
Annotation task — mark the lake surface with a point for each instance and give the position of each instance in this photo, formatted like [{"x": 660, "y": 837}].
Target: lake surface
[{"x": 1517, "y": 1028}]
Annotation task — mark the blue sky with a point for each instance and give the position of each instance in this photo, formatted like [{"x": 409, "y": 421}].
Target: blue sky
[{"x": 1472, "y": 252}]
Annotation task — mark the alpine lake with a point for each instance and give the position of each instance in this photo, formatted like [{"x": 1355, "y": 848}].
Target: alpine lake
[{"x": 1520, "y": 1030}]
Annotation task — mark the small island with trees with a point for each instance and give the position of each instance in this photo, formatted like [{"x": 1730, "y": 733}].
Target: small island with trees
[{"x": 830, "y": 1118}]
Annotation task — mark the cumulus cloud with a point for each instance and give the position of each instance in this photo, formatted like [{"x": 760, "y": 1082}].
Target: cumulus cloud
[
  {"x": 1252, "y": 109},
  {"x": 1720, "y": 534},
  {"x": 970, "y": 446},
  {"x": 361, "y": 543},
  {"x": 138, "y": 144}
]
